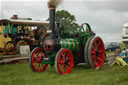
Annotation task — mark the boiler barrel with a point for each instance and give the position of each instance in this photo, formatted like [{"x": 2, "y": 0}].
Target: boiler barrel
[{"x": 72, "y": 44}]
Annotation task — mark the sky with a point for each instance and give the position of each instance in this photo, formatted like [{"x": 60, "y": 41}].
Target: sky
[{"x": 106, "y": 17}]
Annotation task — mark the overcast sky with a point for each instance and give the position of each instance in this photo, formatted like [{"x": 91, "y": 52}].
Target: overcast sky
[{"x": 106, "y": 17}]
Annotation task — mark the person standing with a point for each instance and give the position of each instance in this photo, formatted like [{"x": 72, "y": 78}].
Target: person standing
[{"x": 10, "y": 30}]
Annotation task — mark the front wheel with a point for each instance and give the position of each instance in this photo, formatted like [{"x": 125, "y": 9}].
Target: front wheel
[
  {"x": 64, "y": 61},
  {"x": 35, "y": 60}
]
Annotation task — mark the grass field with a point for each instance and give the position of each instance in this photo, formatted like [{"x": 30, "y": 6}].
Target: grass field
[{"x": 21, "y": 74}]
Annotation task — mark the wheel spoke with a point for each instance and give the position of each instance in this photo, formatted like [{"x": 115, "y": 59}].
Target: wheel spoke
[
  {"x": 63, "y": 55},
  {"x": 61, "y": 62},
  {"x": 93, "y": 48},
  {"x": 99, "y": 59},
  {"x": 67, "y": 67},
  {"x": 67, "y": 58},
  {"x": 62, "y": 68},
  {"x": 35, "y": 64},
  {"x": 41, "y": 66},
  {"x": 97, "y": 45},
  {"x": 95, "y": 64},
  {"x": 37, "y": 55},
  {"x": 100, "y": 51},
  {"x": 93, "y": 51},
  {"x": 93, "y": 57}
]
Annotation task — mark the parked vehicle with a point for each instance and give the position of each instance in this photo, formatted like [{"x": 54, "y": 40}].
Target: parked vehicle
[
  {"x": 112, "y": 46},
  {"x": 25, "y": 33}
]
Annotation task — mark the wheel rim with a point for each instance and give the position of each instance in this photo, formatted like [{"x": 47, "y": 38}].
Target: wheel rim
[
  {"x": 86, "y": 52},
  {"x": 97, "y": 53},
  {"x": 65, "y": 61},
  {"x": 22, "y": 43},
  {"x": 36, "y": 60},
  {"x": 10, "y": 48}
]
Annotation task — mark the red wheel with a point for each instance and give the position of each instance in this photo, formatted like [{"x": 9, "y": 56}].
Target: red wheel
[
  {"x": 64, "y": 61},
  {"x": 96, "y": 52},
  {"x": 35, "y": 60}
]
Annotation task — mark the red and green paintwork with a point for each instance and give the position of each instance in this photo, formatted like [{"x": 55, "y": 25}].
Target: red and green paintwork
[{"x": 72, "y": 44}]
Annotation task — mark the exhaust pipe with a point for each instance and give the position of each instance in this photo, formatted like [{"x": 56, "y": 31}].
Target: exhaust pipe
[{"x": 52, "y": 15}]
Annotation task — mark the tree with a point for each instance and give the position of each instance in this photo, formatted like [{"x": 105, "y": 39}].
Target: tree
[{"x": 67, "y": 22}]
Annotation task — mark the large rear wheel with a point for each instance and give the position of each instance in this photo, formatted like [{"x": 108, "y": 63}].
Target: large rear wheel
[
  {"x": 35, "y": 60},
  {"x": 64, "y": 61},
  {"x": 86, "y": 52},
  {"x": 96, "y": 52}
]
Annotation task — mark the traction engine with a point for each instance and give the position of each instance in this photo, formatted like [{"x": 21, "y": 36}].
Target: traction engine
[{"x": 64, "y": 53}]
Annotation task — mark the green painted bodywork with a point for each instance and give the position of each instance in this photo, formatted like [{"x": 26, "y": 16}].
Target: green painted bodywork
[
  {"x": 72, "y": 44},
  {"x": 50, "y": 59},
  {"x": 48, "y": 62}
]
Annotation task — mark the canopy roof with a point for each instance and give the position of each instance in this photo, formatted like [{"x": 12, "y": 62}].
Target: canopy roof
[{"x": 24, "y": 22}]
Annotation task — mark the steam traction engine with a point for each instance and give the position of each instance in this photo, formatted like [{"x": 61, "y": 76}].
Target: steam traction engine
[{"x": 64, "y": 53}]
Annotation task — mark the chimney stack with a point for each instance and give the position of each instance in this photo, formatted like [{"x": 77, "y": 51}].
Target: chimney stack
[{"x": 52, "y": 14}]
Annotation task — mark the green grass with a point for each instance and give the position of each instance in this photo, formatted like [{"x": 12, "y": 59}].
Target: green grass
[
  {"x": 21, "y": 74},
  {"x": 107, "y": 52}
]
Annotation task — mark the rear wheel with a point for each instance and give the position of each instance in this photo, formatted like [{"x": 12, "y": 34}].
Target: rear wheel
[
  {"x": 86, "y": 52},
  {"x": 35, "y": 60},
  {"x": 96, "y": 52},
  {"x": 64, "y": 61},
  {"x": 9, "y": 48}
]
